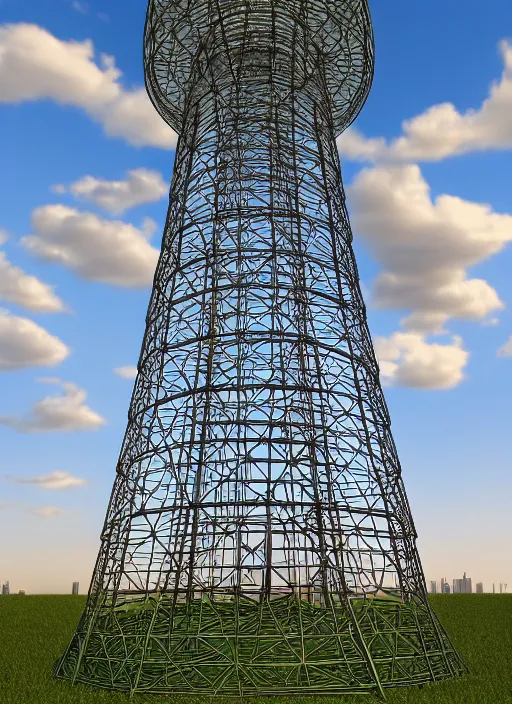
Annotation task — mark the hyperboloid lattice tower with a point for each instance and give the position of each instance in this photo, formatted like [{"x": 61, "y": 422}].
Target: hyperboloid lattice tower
[{"x": 258, "y": 537}]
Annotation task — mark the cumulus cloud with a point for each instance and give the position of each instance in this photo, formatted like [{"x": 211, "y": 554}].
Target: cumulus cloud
[
  {"x": 47, "y": 511},
  {"x": 140, "y": 186},
  {"x": 109, "y": 251},
  {"x": 35, "y": 65},
  {"x": 126, "y": 372},
  {"x": 506, "y": 349},
  {"x": 23, "y": 343},
  {"x": 353, "y": 145},
  {"x": 4, "y": 235},
  {"x": 405, "y": 359},
  {"x": 55, "y": 480},
  {"x": 27, "y": 291},
  {"x": 425, "y": 246},
  {"x": 65, "y": 412},
  {"x": 442, "y": 131}
]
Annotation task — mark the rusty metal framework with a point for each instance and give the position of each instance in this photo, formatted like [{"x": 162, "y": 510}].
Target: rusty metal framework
[{"x": 258, "y": 538}]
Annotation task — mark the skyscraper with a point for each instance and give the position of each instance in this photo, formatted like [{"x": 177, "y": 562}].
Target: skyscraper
[
  {"x": 258, "y": 538},
  {"x": 74, "y": 589},
  {"x": 5, "y": 589},
  {"x": 479, "y": 588},
  {"x": 462, "y": 586},
  {"x": 433, "y": 587}
]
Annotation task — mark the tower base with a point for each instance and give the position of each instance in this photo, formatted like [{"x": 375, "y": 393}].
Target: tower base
[{"x": 239, "y": 646}]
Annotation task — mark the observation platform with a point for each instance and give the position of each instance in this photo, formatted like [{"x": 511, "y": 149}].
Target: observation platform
[{"x": 339, "y": 31}]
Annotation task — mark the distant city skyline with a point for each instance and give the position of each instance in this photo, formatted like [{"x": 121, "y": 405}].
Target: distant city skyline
[
  {"x": 431, "y": 587},
  {"x": 462, "y": 586}
]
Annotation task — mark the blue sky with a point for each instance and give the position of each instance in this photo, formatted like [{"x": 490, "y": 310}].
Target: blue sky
[{"x": 447, "y": 387}]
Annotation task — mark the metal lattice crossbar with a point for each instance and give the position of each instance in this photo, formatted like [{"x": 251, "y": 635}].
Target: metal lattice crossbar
[{"x": 258, "y": 538}]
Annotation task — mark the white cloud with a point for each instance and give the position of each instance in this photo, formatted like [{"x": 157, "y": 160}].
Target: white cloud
[
  {"x": 35, "y": 65},
  {"x": 55, "y": 480},
  {"x": 405, "y": 359},
  {"x": 64, "y": 413},
  {"x": 425, "y": 247},
  {"x": 506, "y": 349},
  {"x": 23, "y": 343},
  {"x": 127, "y": 372},
  {"x": 442, "y": 131},
  {"x": 109, "y": 251},
  {"x": 4, "y": 235},
  {"x": 27, "y": 291},
  {"x": 352, "y": 144},
  {"x": 141, "y": 186},
  {"x": 133, "y": 117},
  {"x": 47, "y": 511}
]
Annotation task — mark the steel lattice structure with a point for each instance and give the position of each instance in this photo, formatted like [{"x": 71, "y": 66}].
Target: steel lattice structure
[{"x": 258, "y": 537}]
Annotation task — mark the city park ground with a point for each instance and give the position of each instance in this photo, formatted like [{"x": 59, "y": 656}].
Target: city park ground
[{"x": 35, "y": 630}]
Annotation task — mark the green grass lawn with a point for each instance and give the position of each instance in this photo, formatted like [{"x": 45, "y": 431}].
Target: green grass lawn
[{"x": 34, "y": 630}]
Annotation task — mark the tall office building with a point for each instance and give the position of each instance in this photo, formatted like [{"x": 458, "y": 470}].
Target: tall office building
[
  {"x": 462, "y": 586},
  {"x": 75, "y": 588},
  {"x": 433, "y": 587},
  {"x": 5, "y": 589},
  {"x": 443, "y": 582},
  {"x": 479, "y": 588},
  {"x": 446, "y": 588},
  {"x": 501, "y": 588}
]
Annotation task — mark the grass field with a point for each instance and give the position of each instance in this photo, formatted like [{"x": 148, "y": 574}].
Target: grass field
[{"x": 34, "y": 630}]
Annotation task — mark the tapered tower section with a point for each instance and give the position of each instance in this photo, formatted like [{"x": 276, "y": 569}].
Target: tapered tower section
[{"x": 258, "y": 538}]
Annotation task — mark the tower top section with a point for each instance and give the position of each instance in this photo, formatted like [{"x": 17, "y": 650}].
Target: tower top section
[{"x": 339, "y": 30}]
